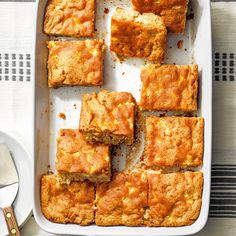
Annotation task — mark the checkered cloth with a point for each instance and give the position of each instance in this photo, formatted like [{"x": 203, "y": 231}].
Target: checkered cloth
[
  {"x": 223, "y": 194},
  {"x": 16, "y": 77}
]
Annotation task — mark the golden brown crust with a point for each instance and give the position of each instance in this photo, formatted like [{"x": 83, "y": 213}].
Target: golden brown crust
[
  {"x": 70, "y": 18},
  {"x": 174, "y": 141},
  {"x": 78, "y": 159},
  {"x": 73, "y": 203},
  {"x": 174, "y": 199},
  {"x": 172, "y": 12},
  {"x": 122, "y": 201},
  {"x": 136, "y": 35},
  {"x": 108, "y": 117},
  {"x": 73, "y": 63},
  {"x": 169, "y": 87}
]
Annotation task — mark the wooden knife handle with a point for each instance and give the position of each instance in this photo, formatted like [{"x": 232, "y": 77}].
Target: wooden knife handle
[{"x": 11, "y": 221}]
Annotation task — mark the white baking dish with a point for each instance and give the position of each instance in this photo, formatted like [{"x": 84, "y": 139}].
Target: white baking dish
[{"x": 49, "y": 103}]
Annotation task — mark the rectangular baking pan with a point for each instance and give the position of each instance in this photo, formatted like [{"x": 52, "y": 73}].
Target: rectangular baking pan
[{"x": 197, "y": 48}]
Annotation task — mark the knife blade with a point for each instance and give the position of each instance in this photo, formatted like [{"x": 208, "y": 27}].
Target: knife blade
[
  {"x": 8, "y": 173},
  {"x": 9, "y": 185}
]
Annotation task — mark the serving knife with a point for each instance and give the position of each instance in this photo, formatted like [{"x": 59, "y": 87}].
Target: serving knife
[{"x": 9, "y": 184}]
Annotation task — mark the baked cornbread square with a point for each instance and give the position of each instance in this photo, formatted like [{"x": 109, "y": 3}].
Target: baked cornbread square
[
  {"x": 72, "y": 63},
  {"x": 70, "y": 18},
  {"x": 174, "y": 199},
  {"x": 174, "y": 141},
  {"x": 122, "y": 201},
  {"x": 67, "y": 203},
  {"x": 108, "y": 117},
  {"x": 138, "y": 35},
  {"x": 169, "y": 87},
  {"x": 78, "y": 160},
  {"x": 173, "y": 12}
]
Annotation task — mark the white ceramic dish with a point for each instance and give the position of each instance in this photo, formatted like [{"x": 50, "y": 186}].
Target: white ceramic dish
[
  {"x": 23, "y": 202},
  {"x": 49, "y": 103}
]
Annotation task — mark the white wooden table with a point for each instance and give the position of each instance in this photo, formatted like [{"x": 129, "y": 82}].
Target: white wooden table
[{"x": 216, "y": 228}]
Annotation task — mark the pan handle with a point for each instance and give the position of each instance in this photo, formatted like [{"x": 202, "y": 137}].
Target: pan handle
[{"x": 10, "y": 218}]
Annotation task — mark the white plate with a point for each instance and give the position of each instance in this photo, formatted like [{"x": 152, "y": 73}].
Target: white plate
[
  {"x": 23, "y": 202},
  {"x": 50, "y": 102}
]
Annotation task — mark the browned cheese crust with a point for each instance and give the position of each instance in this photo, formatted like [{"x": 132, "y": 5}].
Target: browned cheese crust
[
  {"x": 73, "y": 203},
  {"x": 174, "y": 141},
  {"x": 79, "y": 160},
  {"x": 169, "y": 87},
  {"x": 173, "y": 12},
  {"x": 70, "y": 18},
  {"x": 122, "y": 201},
  {"x": 136, "y": 35},
  {"x": 72, "y": 63},
  {"x": 174, "y": 199},
  {"x": 108, "y": 117}
]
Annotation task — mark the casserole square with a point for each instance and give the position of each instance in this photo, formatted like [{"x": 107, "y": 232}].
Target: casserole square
[
  {"x": 74, "y": 63},
  {"x": 67, "y": 203},
  {"x": 173, "y": 12},
  {"x": 123, "y": 200},
  {"x": 78, "y": 160},
  {"x": 108, "y": 117},
  {"x": 174, "y": 199},
  {"x": 138, "y": 35},
  {"x": 70, "y": 18},
  {"x": 174, "y": 141},
  {"x": 169, "y": 87}
]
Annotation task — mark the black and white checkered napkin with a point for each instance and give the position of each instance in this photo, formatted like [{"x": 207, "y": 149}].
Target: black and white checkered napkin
[
  {"x": 223, "y": 189},
  {"x": 16, "y": 61},
  {"x": 16, "y": 48},
  {"x": 222, "y": 215}
]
